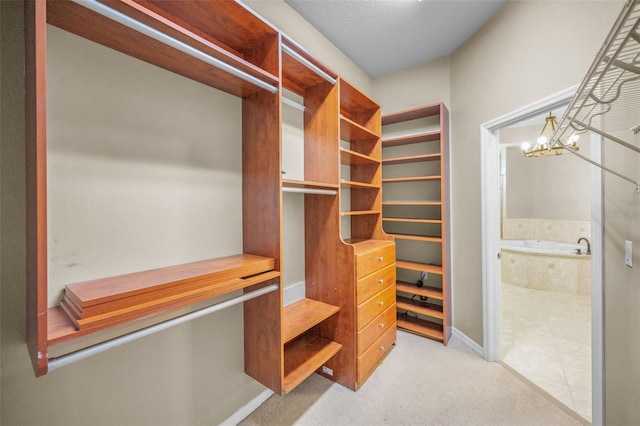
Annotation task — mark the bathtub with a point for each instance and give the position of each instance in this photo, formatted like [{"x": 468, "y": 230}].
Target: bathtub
[
  {"x": 546, "y": 265},
  {"x": 543, "y": 247}
]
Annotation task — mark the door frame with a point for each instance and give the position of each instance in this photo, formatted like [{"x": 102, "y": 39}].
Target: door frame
[{"x": 490, "y": 181}]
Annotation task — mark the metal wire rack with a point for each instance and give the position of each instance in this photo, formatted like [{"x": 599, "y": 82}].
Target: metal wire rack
[{"x": 607, "y": 101}]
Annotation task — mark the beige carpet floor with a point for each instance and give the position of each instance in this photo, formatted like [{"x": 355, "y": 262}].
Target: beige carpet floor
[{"x": 421, "y": 382}]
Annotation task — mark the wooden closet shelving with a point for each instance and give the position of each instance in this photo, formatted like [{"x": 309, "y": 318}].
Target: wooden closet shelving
[
  {"x": 346, "y": 322},
  {"x": 415, "y": 155}
]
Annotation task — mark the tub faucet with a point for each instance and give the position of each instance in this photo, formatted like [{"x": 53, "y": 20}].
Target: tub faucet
[{"x": 588, "y": 244}]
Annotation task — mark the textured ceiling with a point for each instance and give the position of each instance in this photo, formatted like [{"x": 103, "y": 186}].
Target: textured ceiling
[{"x": 384, "y": 36}]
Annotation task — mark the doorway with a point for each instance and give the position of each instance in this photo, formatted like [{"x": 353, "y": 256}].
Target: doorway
[{"x": 491, "y": 231}]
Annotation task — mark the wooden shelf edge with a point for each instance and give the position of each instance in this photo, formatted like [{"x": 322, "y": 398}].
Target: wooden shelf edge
[
  {"x": 412, "y": 114},
  {"x": 411, "y": 139},
  {"x": 358, "y": 128},
  {"x": 304, "y": 314},
  {"x": 350, "y": 184},
  {"x": 421, "y": 327},
  {"x": 432, "y": 292},
  {"x": 305, "y": 355},
  {"x": 411, "y": 179},
  {"x": 359, "y": 212},
  {"x": 417, "y": 238},
  {"x": 412, "y": 203},
  {"x": 292, "y": 183},
  {"x": 417, "y": 266},
  {"x": 348, "y": 156},
  {"x": 411, "y": 220},
  {"x": 411, "y": 159}
]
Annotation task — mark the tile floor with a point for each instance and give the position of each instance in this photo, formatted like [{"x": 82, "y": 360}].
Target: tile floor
[{"x": 546, "y": 337}]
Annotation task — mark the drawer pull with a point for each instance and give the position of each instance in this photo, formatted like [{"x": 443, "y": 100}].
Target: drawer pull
[
  {"x": 381, "y": 303},
  {"x": 381, "y": 325},
  {"x": 380, "y": 258},
  {"x": 380, "y": 281},
  {"x": 381, "y": 348}
]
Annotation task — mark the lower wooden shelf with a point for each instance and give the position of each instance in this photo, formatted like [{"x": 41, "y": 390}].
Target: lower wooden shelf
[
  {"x": 429, "y": 309},
  {"x": 421, "y": 327},
  {"x": 305, "y": 355}
]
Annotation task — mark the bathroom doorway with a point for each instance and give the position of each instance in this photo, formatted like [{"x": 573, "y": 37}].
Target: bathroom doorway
[
  {"x": 496, "y": 222},
  {"x": 545, "y": 267}
]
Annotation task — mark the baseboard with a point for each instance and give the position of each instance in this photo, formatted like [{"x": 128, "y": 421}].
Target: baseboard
[
  {"x": 292, "y": 293},
  {"x": 247, "y": 408},
  {"x": 467, "y": 341}
]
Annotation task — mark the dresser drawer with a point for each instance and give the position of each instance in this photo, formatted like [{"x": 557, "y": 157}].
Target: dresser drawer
[
  {"x": 375, "y": 282},
  {"x": 375, "y": 328},
  {"x": 371, "y": 356},
  {"x": 374, "y": 306},
  {"x": 371, "y": 261}
]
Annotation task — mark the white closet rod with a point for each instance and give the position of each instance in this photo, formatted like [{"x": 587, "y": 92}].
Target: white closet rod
[
  {"x": 292, "y": 103},
  {"x": 286, "y": 49},
  {"x": 172, "y": 42},
  {"x": 310, "y": 191},
  {"x": 61, "y": 361}
]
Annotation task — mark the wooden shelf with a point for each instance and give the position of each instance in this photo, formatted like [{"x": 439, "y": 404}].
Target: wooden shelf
[
  {"x": 411, "y": 159},
  {"x": 428, "y": 309},
  {"x": 431, "y": 292},
  {"x": 188, "y": 25},
  {"x": 411, "y": 139},
  {"x": 421, "y": 327},
  {"x": 417, "y": 238},
  {"x": 359, "y": 212},
  {"x": 353, "y": 158},
  {"x": 350, "y": 184},
  {"x": 417, "y": 266},
  {"x": 354, "y": 103},
  {"x": 412, "y": 114},
  {"x": 410, "y": 220},
  {"x": 351, "y": 131},
  {"x": 305, "y": 355},
  {"x": 411, "y": 179},
  {"x": 412, "y": 203},
  {"x": 296, "y": 76},
  {"x": 304, "y": 314},
  {"x": 307, "y": 184}
]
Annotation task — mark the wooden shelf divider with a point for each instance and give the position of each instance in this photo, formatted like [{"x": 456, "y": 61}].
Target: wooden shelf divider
[
  {"x": 359, "y": 212},
  {"x": 411, "y": 159},
  {"x": 411, "y": 139},
  {"x": 354, "y": 158},
  {"x": 350, "y": 184},
  {"x": 418, "y": 238},
  {"x": 306, "y": 184},
  {"x": 304, "y": 314},
  {"x": 411, "y": 179},
  {"x": 429, "y": 309},
  {"x": 412, "y": 203},
  {"x": 305, "y": 355},
  {"x": 431, "y": 292},
  {"x": 421, "y": 326},
  {"x": 410, "y": 220},
  {"x": 421, "y": 267}
]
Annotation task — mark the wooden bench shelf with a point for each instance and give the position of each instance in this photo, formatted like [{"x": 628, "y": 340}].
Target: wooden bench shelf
[
  {"x": 305, "y": 355},
  {"x": 431, "y": 292},
  {"x": 97, "y": 304},
  {"x": 304, "y": 314}
]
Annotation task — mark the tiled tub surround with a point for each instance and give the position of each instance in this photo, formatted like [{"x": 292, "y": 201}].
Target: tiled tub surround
[
  {"x": 563, "y": 231},
  {"x": 557, "y": 272}
]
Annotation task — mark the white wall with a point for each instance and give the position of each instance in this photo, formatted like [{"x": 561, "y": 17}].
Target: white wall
[{"x": 554, "y": 187}]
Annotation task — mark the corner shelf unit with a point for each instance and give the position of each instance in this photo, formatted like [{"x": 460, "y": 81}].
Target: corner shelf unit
[
  {"x": 224, "y": 45},
  {"x": 415, "y": 151}
]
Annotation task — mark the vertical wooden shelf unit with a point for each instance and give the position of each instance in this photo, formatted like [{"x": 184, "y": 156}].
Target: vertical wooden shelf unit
[
  {"x": 345, "y": 322},
  {"x": 416, "y": 212}
]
